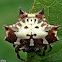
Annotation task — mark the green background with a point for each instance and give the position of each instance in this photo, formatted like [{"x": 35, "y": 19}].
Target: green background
[{"x": 9, "y": 11}]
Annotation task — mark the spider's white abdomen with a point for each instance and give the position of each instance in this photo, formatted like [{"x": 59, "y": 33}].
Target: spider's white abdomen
[
  {"x": 32, "y": 24},
  {"x": 31, "y": 30}
]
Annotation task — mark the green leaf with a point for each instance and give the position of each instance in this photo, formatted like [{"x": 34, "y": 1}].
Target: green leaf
[{"x": 53, "y": 13}]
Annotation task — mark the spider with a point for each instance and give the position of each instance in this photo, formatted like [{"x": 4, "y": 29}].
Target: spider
[{"x": 31, "y": 32}]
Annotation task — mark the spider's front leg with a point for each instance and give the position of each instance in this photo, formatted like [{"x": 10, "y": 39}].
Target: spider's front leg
[
  {"x": 50, "y": 47},
  {"x": 45, "y": 48},
  {"x": 18, "y": 45},
  {"x": 17, "y": 51},
  {"x": 43, "y": 54}
]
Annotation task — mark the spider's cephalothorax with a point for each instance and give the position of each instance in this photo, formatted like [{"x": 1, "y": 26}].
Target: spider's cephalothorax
[{"x": 30, "y": 32}]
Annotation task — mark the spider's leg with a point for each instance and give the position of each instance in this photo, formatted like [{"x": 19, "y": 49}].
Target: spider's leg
[
  {"x": 43, "y": 54},
  {"x": 38, "y": 54},
  {"x": 45, "y": 48},
  {"x": 17, "y": 51},
  {"x": 50, "y": 47}
]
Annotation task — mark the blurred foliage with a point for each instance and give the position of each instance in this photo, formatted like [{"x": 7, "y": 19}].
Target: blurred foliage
[
  {"x": 53, "y": 13},
  {"x": 9, "y": 12}
]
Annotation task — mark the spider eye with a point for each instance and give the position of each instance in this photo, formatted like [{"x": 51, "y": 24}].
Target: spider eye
[
  {"x": 37, "y": 27},
  {"x": 25, "y": 27}
]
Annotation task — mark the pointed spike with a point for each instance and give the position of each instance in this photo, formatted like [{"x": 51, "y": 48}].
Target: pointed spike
[
  {"x": 56, "y": 28},
  {"x": 6, "y": 27},
  {"x": 21, "y": 11},
  {"x": 41, "y": 11}
]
